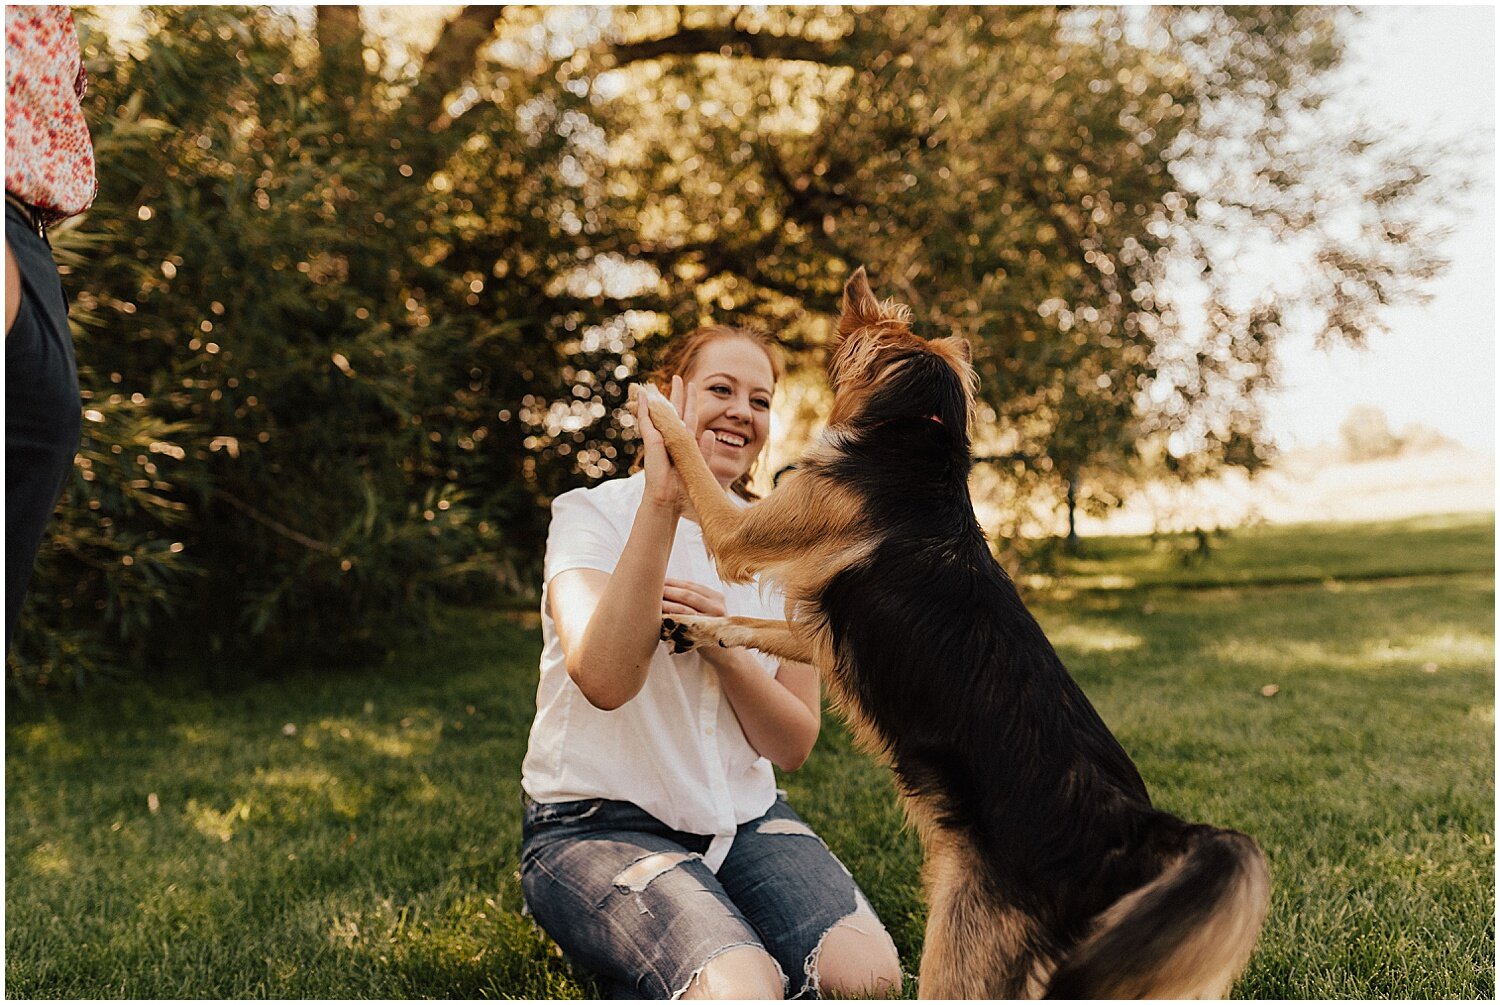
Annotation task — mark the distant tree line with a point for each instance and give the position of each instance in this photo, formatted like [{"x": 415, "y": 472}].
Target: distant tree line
[
  {"x": 348, "y": 320},
  {"x": 1366, "y": 435}
]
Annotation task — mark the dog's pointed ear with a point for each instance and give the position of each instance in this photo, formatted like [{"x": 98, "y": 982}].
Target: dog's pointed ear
[
  {"x": 860, "y": 306},
  {"x": 959, "y": 354},
  {"x": 959, "y": 347}
]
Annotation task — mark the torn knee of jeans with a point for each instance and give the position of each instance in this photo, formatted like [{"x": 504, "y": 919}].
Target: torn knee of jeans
[
  {"x": 782, "y": 826},
  {"x": 862, "y": 920},
  {"x": 638, "y": 875},
  {"x": 785, "y": 984}
]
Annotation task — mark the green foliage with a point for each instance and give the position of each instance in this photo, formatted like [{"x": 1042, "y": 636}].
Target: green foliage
[
  {"x": 371, "y": 850},
  {"x": 296, "y": 388},
  {"x": 1068, "y": 188},
  {"x": 350, "y": 319}
]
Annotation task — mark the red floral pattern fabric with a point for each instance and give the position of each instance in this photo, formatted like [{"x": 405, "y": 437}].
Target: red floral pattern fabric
[{"x": 49, "y": 157}]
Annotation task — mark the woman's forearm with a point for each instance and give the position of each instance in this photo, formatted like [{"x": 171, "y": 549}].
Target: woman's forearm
[
  {"x": 610, "y": 662},
  {"x": 778, "y": 723}
]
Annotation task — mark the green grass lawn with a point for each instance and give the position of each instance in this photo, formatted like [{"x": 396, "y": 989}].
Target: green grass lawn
[{"x": 354, "y": 834}]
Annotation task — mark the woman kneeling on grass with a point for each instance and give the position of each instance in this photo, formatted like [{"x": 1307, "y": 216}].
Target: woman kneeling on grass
[{"x": 656, "y": 849}]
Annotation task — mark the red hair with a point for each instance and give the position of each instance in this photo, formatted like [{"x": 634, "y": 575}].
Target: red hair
[{"x": 681, "y": 356}]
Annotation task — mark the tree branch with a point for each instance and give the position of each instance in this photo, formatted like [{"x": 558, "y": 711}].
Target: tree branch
[
  {"x": 337, "y": 25},
  {"x": 801, "y": 204},
  {"x": 280, "y": 528},
  {"x": 449, "y": 62},
  {"x": 718, "y": 257},
  {"x": 731, "y": 41},
  {"x": 600, "y": 306}
]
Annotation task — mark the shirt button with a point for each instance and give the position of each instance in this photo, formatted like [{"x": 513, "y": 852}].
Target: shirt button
[{"x": 708, "y": 731}]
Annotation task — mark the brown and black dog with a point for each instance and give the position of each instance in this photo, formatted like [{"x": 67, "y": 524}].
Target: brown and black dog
[{"x": 1048, "y": 871}]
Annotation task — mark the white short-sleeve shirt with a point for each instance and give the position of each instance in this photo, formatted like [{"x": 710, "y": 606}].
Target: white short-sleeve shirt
[{"x": 676, "y": 749}]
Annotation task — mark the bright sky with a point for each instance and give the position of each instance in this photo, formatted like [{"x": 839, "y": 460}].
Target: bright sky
[{"x": 1430, "y": 73}]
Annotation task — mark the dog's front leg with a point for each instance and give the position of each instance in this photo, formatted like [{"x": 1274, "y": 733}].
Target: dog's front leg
[
  {"x": 804, "y": 517},
  {"x": 780, "y": 639}
]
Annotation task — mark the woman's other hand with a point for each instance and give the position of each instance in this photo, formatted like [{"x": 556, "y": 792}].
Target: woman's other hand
[
  {"x": 12, "y": 288},
  {"x": 681, "y": 596}
]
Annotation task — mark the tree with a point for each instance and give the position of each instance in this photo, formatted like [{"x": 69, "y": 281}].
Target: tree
[
  {"x": 1366, "y": 434},
  {"x": 351, "y": 319},
  {"x": 1074, "y": 190},
  {"x": 286, "y": 370}
]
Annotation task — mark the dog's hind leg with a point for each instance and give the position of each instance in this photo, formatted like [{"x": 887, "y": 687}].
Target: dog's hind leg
[{"x": 975, "y": 947}]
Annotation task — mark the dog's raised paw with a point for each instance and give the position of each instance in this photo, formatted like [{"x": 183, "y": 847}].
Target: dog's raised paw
[
  {"x": 676, "y": 634},
  {"x": 634, "y": 392}
]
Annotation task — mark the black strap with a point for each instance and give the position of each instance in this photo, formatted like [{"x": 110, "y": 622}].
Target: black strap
[{"x": 29, "y": 213}]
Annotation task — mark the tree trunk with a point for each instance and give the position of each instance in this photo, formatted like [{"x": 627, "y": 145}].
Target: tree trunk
[
  {"x": 1072, "y": 543},
  {"x": 341, "y": 58}
]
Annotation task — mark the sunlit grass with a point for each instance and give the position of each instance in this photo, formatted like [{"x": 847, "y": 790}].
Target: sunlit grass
[
  {"x": 1303, "y": 553},
  {"x": 355, "y": 834}
]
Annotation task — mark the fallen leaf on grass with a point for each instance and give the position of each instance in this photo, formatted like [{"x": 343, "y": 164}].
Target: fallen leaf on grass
[{"x": 1269, "y": 690}]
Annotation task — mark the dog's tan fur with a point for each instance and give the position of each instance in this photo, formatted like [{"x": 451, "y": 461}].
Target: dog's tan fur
[{"x": 971, "y": 940}]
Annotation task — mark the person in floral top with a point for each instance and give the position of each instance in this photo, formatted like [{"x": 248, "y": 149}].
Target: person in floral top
[{"x": 49, "y": 176}]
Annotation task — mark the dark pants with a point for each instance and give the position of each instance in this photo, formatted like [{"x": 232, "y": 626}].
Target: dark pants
[{"x": 43, "y": 408}]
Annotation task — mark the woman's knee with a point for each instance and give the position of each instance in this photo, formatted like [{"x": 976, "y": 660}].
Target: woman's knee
[
  {"x": 742, "y": 972},
  {"x": 857, "y": 959}
]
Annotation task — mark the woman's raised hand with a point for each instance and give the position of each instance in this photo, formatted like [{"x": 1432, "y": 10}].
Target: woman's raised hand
[{"x": 663, "y": 485}]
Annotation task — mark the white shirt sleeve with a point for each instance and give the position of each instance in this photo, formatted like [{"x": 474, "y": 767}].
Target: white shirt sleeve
[{"x": 581, "y": 535}]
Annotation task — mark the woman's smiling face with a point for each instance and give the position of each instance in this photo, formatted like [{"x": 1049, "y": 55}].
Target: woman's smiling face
[{"x": 734, "y": 381}]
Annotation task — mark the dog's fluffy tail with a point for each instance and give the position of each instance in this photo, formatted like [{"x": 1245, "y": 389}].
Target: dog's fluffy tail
[{"x": 1186, "y": 934}]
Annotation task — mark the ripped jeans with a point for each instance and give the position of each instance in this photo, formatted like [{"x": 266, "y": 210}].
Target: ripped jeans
[{"x": 632, "y": 900}]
